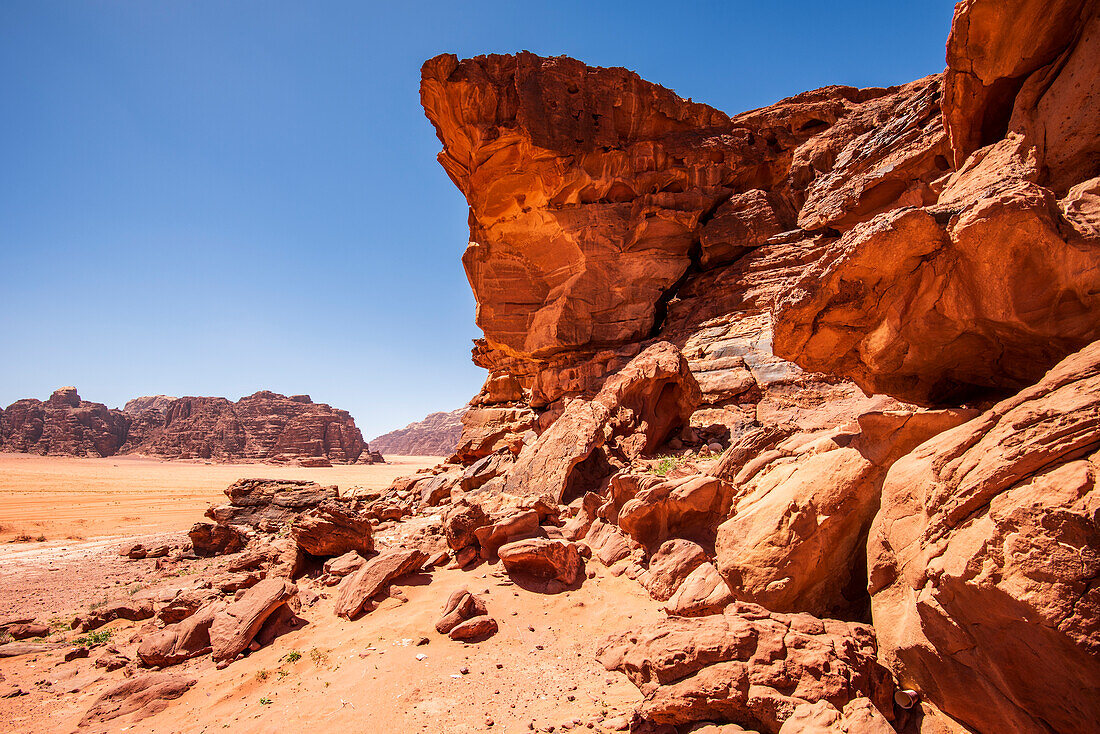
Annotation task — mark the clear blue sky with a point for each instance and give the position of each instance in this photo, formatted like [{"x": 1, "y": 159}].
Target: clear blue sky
[{"x": 209, "y": 197}]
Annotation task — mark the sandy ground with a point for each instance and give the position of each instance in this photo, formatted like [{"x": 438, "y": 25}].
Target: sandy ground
[
  {"x": 538, "y": 673},
  {"x": 67, "y": 499},
  {"x": 363, "y": 675}
]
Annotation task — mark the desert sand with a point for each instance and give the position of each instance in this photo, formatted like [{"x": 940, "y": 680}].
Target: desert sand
[{"x": 65, "y": 499}]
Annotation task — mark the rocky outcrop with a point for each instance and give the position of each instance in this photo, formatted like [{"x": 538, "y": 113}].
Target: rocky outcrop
[
  {"x": 64, "y": 425},
  {"x": 264, "y": 426},
  {"x": 747, "y": 666},
  {"x": 268, "y": 504},
  {"x": 985, "y": 556},
  {"x": 233, "y": 628},
  {"x": 435, "y": 435},
  {"x": 356, "y": 591}
]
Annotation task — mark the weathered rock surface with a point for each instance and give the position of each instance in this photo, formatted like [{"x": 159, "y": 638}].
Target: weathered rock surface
[
  {"x": 269, "y": 503},
  {"x": 747, "y": 666},
  {"x": 356, "y": 591},
  {"x": 333, "y": 529},
  {"x": 262, "y": 426},
  {"x": 542, "y": 558},
  {"x": 985, "y": 556},
  {"x": 633, "y": 413},
  {"x": 137, "y": 698},
  {"x": 233, "y": 628},
  {"x": 435, "y": 435},
  {"x": 186, "y": 639},
  {"x": 64, "y": 425},
  {"x": 212, "y": 539},
  {"x": 703, "y": 592}
]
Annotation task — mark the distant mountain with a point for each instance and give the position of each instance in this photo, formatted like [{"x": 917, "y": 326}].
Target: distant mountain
[
  {"x": 436, "y": 435},
  {"x": 264, "y": 426}
]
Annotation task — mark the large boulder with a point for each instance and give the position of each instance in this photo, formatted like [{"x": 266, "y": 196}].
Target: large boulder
[
  {"x": 212, "y": 539},
  {"x": 333, "y": 529},
  {"x": 136, "y": 698},
  {"x": 984, "y": 560},
  {"x": 233, "y": 628},
  {"x": 660, "y": 509},
  {"x": 748, "y": 666},
  {"x": 356, "y": 591},
  {"x": 181, "y": 641},
  {"x": 557, "y": 560},
  {"x": 270, "y": 503}
]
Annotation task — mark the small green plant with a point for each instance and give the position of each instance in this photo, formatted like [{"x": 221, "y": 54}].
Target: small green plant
[
  {"x": 41, "y": 538},
  {"x": 318, "y": 656},
  {"x": 291, "y": 657},
  {"x": 665, "y": 465},
  {"x": 265, "y": 701},
  {"x": 93, "y": 638},
  {"x": 261, "y": 675}
]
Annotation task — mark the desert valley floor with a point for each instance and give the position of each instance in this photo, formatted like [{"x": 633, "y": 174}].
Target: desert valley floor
[{"x": 353, "y": 676}]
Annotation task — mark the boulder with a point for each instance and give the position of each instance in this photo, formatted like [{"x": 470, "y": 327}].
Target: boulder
[
  {"x": 182, "y": 641},
  {"x": 332, "y": 529},
  {"x": 133, "y": 610},
  {"x": 212, "y": 539},
  {"x": 609, "y": 544},
  {"x": 703, "y": 592},
  {"x": 474, "y": 629},
  {"x": 460, "y": 606},
  {"x": 859, "y": 716},
  {"x": 541, "y": 558},
  {"x": 344, "y": 565},
  {"x": 357, "y": 590},
  {"x": 673, "y": 562},
  {"x": 689, "y": 506},
  {"x": 138, "y": 697},
  {"x": 233, "y": 628},
  {"x": 461, "y": 523},
  {"x": 270, "y": 503},
  {"x": 796, "y": 536},
  {"x": 184, "y": 604},
  {"x": 513, "y": 526},
  {"x": 27, "y": 630},
  {"x": 747, "y": 666},
  {"x": 983, "y": 560}
]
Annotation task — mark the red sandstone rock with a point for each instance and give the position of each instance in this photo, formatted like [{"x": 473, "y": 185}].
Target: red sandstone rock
[
  {"x": 332, "y": 529},
  {"x": 181, "y": 641},
  {"x": 703, "y": 592},
  {"x": 137, "y": 698},
  {"x": 984, "y": 557},
  {"x": 673, "y": 562},
  {"x": 269, "y": 503},
  {"x": 233, "y": 628},
  {"x": 632, "y": 414},
  {"x": 461, "y": 524},
  {"x": 474, "y": 629},
  {"x": 357, "y": 590},
  {"x": 64, "y": 425},
  {"x": 545, "y": 559},
  {"x": 747, "y": 666},
  {"x": 211, "y": 539},
  {"x": 262, "y": 426}
]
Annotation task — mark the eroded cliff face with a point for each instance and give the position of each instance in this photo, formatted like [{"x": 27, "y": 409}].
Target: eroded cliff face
[
  {"x": 264, "y": 426},
  {"x": 850, "y": 278}
]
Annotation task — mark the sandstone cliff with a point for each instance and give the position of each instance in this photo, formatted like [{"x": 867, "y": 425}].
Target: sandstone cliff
[
  {"x": 264, "y": 426},
  {"x": 436, "y": 435},
  {"x": 833, "y": 292}
]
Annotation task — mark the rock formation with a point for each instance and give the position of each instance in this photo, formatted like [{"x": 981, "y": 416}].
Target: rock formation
[
  {"x": 839, "y": 287},
  {"x": 264, "y": 426},
  {"x": 64, "y": 425},
  {"x": 436, "y": 435}
]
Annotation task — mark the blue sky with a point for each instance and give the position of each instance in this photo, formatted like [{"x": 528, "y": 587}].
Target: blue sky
[{"x": 216, "y": 197}]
